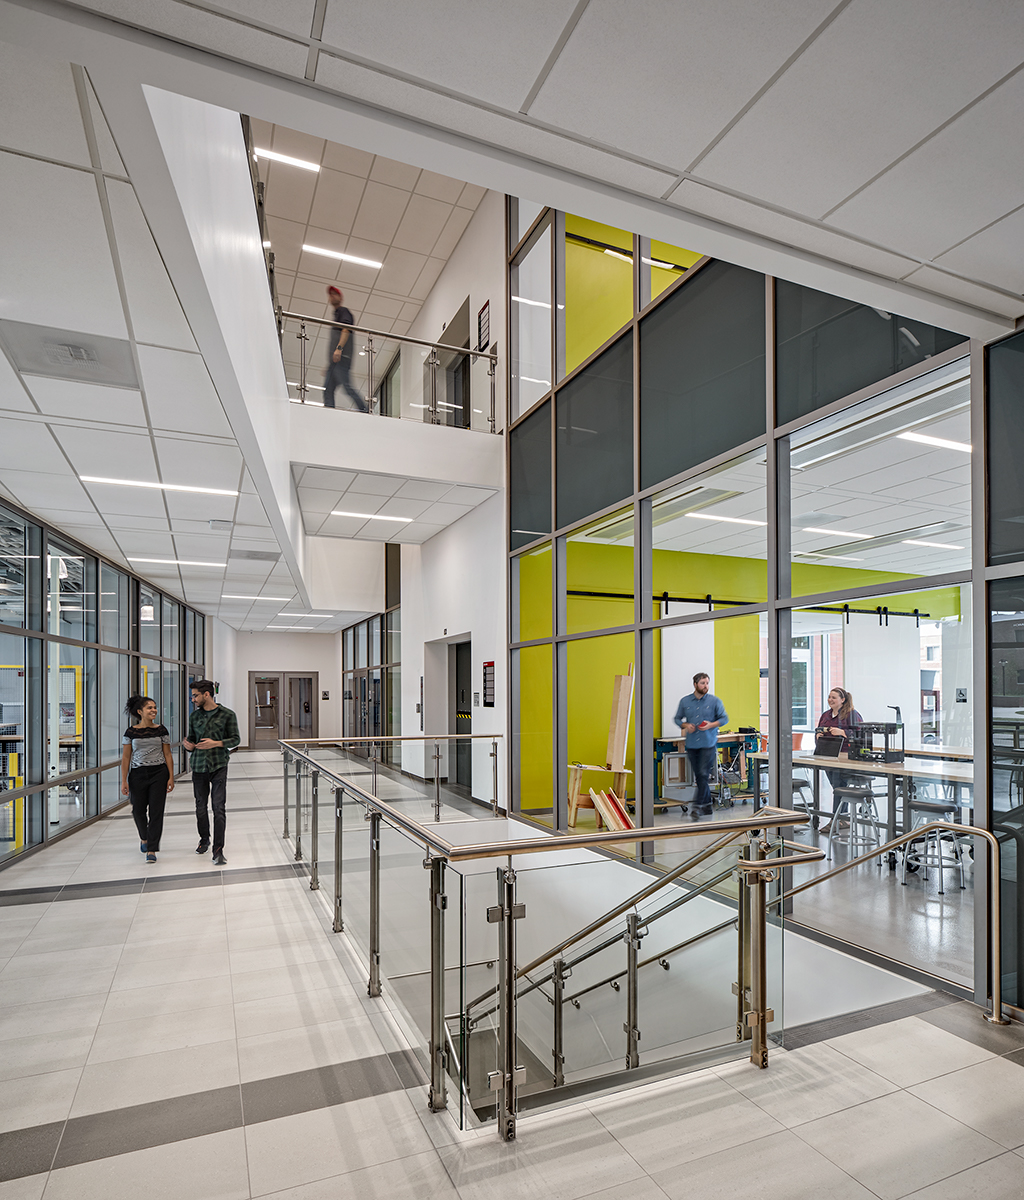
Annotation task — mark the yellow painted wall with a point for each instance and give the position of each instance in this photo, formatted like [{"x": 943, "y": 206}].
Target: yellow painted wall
[
  {"x": 535, "y": 741},
  {"x": 664, "y": 252},
  {"x": 592, "y": 665},
  {"x": 598, "y": 288},
  {"x": 598, "y": 567},
  {"x": 534, "y": 595},
  {"x": 737, "y": 678}
]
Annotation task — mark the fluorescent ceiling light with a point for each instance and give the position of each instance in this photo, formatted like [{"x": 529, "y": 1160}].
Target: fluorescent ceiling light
[
  {"x": 178, "y": 562},
  {"x": 840, "y": 557},
  {"x": 656, "y": 262},
  {"x": 362, "y": 262},
  {"x": 534, "y": 303},
  {"x": 306, "y": 616},
  {"x": 943, "y": 443},
  {"x": 276, "y": 599},
  {"x": 619, "y": 254},
  {"x": 163, "y": 487},
  {"x": 527, "y": 379},
  {"x": 266, "y": 245},
  {"x": 733, "y": 520},
  {"x": 932, "y": 545},
  {"x": 273, "y": 156},
  {"x": 370, "y": 516},
  {"x": 866, "y": 537},
  {"x": 315, "y": 386}
]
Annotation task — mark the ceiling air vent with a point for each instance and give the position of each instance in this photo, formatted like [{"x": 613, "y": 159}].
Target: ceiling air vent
[
  {"x": 66, "y": 354},
  {"x": 257, "y": 555}
]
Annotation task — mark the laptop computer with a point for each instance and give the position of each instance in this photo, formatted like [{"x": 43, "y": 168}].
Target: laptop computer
[{"x": 826, "y": 745}]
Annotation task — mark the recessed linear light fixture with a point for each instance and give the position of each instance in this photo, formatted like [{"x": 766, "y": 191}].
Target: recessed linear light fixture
[
  {"x": 932, "y": 545},
  {"x": 350, "y": 258},
  {"x": 732, "y": 520},
  {"x": 656, "y": 262},
  {"x": 163, "y": 487},
  {"x": 314, "y": 386},
  {"x": 534, "y": 303},
  {"x": 840, "y": 557},
  {"x": 276, "y": 599},
  {"x": 370, "y": 516},
  {"x": 527, "y": 379},
  {"x": 943, "y": 443},
  {"x": 273, "y": 156},
  {"x": 862, "y": 537},
  {"x": 178, "y": 562},
  {"x": 619, "y": 254}
]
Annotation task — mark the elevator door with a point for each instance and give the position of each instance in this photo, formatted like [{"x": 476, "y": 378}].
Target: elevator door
[{"x": 463, "y": 712}]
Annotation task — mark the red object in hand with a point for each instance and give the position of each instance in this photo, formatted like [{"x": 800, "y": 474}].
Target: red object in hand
[{"x": 703, "y": 725}]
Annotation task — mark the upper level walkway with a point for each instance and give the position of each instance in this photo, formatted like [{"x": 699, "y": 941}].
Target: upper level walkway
[{"x": 176, "y": 1030}]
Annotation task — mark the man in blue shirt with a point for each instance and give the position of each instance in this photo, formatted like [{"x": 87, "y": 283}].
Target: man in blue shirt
[
  {"x": 699, "y": 716},
  {"x": 339, "y": 354}
]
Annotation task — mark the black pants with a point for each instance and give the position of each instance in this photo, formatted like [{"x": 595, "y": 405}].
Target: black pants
[
  {"x": 148, "y": 788},
  {"x": 702, "y": 764},
  {"x": 213, "y": 786}
]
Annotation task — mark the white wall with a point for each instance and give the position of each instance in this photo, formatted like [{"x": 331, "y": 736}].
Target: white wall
[
  {"x": 319, "y": 652},
  {"x": 454, "y": 589},
  {"x": 221, "y": 643},
  {"x": 475, "y": 269},
  {"x": 685, "y": 650},
  {"x": 882, "y": 666},
  {"x": 957, "y": 727}
]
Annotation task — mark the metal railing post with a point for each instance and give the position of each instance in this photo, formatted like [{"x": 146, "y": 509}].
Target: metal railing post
[
  {"x": 760, "y": 1015},
  {"x": 558, "y": 977},
  {"x": 339, "y": 921},
  {"x": 438, "y": 1097},
  {"x": 741, "y": 988},
  {"x": 298, "y": 811},
  {"x": 494, "y": 776},
  {"x": 287, "y": 764},
  {"x": 437, "y": 781},
  {"x": 432, "y": 363},
  {"x": 314, "y": 834},
  {"x": 492, "y": 372},
  {"x": 374, "y": 757},
  {"x": 303, "y": 338},
  {"x": 631, "y": 1027},
  {"x": 373, "y": 987},
  {"x": 509, "y": 1075},
  {"x": 369, "y": 373}
]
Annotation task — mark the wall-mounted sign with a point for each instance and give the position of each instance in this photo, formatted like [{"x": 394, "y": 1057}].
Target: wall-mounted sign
[
  {"x": 483, "y": 326},
  {"x": 488, "y": 685}
]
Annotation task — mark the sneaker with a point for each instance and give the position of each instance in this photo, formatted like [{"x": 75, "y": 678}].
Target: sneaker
[
  {"x": 150, "y": 858},
  {"x": 219, "y": 860},
  {"x": 142, "y": 847},
  {"x": 202, "y": 847}
]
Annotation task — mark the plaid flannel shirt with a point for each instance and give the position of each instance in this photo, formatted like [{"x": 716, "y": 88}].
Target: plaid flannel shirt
[{"x": 221, "y": 725}]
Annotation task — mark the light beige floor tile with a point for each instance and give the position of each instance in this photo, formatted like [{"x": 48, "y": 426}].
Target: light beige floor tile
[
  {"x": 668, "y": 1126},
  {"x": 30, "y": 963},
  {"x": 103, "y": 933},
  {"x": 636, "y": 1189},
  {"x": 203, "y": 1168},
  {"x": 332, "y": 1141},
  {"x": 204, "y": 941},
  {"x": 161, "y": 998},
  {"x": 897, "y": 1144},
  {"x": 302, "y": 1049},
  {"x": 564, "y": 1156},
  {"x": 169, "y": 970},
  {"x": 30, "y": 1187},
  {"x": 989, "y": 1097},
  {"x": 123, "y": 1082},
  {"x": 997, "y": 1179},
  {"x": 37, "y": 1099},
  {"x": 40, "y": 988},
  {"x": 801, "y": 1085},
  {"x": 277, "y": 981},
  {"x": 45, "y": 1052},
  {"x": 168, "y": 1031},
  {"x": 294, "y": 1010},
  {"x": 908, "y": 1051},
  {"x": 281, "y": 956},
  {"x": 50, "y": 1016},
  {"x": 418, "y": 1177}
]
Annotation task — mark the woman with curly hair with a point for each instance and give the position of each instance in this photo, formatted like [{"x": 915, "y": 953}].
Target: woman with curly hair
[{"x": 147, "y": 772}]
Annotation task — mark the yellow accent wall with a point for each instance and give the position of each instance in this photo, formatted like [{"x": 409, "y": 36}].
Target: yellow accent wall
[
  {"x": 664, "y": 252},
  {"x": 534, "y": 594},
  {"x": 535, "y": 739},
  {"x": 598, "y": 288},
  {"x": 592, "y": 664},
  {"x": 737, "y": 677}
]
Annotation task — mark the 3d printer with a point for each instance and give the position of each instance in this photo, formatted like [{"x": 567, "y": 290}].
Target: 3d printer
[{"x": 876, "y": 741}]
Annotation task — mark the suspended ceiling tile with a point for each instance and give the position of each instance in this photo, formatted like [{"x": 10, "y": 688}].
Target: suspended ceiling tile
[
  {"x": 336, "y": 200},
  {"x": 42, "y": 282},
  {"x": 109, "y": 455},
  {"x": 931, "y": 200},
  {"x": 36, "y": 491},
  {"x": 689, "y": 68},
  {"x": 394, "y": 174},
  {"x": 380, "y": 212},
  {"x": 345, "y": 158},
  {"x": 343, "y": 527},
  {"x": 121, "y": 505},
  {"x": 69, "y": 398},
  {"x": 304, "y": 146},
  {"x": 444, "y": 514},
  {"x": 250, "y": 511},
  {"x": 13, "y": 395},
  {"x": 747, "y": 215},
  {"x": 324, "y": 477},
  {"x": 428, "y": 276},
  {"x": 289, "y": 191},
  {"x": 138, "y": 521},
  {"x": 199, "y": 507},
  {"x": 422, "y": 489},
  {"x": 426, "y": 40},
  {"x": 180, "y": 393},
  {"x": 207, "y": 549},
  {"x": 199, "y": 464},
  {"x": 146, "y": 545},
  {"x": 439, "y": 187},
  {"x": 995, "y": 254},
  {"x": 421, "y": 224},
  {"x": 402, "y": 506},
  {"x": 858, "y": 98},
  {"x": 933, "y": 280},
  {"x": 382, "y": 306},
  {"x": 471, "y": 196},
  {"x": 453, "y": 230},
  {"x": 375, "y": 485},
  {"x": 420, "y": 532},
  {"x": 39, "y": 110}
]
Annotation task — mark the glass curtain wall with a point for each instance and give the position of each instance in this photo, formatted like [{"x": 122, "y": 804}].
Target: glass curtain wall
[
  {"x": 71, "y": 631},
  {"x": 371, "y": 657},
  {"x": 677, "y": 507}
]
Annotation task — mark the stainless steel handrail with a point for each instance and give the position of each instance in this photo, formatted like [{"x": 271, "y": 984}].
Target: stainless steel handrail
[
  {"x": 995, "y": 915},
  {"x": 394, "y": 337},
  {"x": 410, "y": 737}
]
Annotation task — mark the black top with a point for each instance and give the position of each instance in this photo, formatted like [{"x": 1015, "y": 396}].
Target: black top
[{"x": 343, "y": 317}]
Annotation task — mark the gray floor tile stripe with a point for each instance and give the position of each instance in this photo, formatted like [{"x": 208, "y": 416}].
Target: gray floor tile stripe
[
  {"x": 150, "y": 883},
  {"x": 140, "y": 1126},
  {"x": 868, "y": 1018},
  {"x": 28, "y": 1151},
  {"x": 965, "y": 1020}
]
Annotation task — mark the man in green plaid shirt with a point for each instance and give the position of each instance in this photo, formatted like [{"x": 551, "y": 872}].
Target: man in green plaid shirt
[{"x": 212, "y": 734}]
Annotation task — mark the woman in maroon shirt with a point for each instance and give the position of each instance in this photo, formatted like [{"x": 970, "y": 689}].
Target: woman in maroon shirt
[{"x": 836, "y": 720}]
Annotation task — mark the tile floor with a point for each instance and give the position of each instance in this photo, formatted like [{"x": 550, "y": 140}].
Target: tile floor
[{"x": 207, "y": 1038}]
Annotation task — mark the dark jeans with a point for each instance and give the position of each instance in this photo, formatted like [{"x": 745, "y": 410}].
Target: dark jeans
[
  {"x": 203, "y": 784},
  {"x": 148, "y": 788},
  {"x": 338, "y": 374},
  {"x": 702, "y": 764}
]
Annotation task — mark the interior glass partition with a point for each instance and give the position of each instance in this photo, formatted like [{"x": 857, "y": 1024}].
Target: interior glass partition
[
  {"x": 531, "y": 591},
  {"x": 1005, "y": 447},
  {"x": 533, "y": 730},
  {"x": 598, "y": 296},
  {"x": 531, "y": 323},
  {"x": 15, "y": 557},
  {"x": 529, "y": 458},
  {"x": 599, "y": 574}
]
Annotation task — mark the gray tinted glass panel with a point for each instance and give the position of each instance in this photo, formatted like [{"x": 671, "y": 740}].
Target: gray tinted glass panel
[
  {"x": 594, "y": 435},
  {"x": 827, "y": 348},
  {"x": 702, "y": 371},
  {"x": 1006, "y": 450},
  {"x": 530, "y": 477}
]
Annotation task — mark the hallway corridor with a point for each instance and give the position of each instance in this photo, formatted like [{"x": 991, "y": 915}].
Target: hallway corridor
[{"x": 179, "y": 1031}]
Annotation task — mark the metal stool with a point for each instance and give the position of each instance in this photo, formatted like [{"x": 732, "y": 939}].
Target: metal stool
[
  {"x": 926, "y": 851},
  {"x": 857, "y": 803}
]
